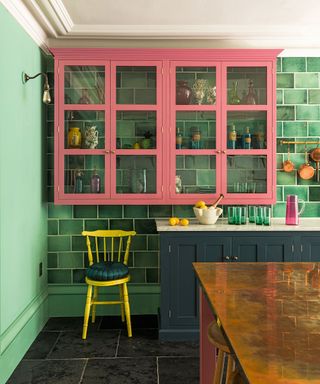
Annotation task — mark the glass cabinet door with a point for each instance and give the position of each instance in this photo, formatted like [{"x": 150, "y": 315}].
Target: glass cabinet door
[
  {"x": 194, "y": 142},
  {"x": 246, "y": 131},
  {"x": 247, "y": 174},
  {"x": 84, "y": 84},
  {"x": 136, "y": 130},
  {"x": 246, "y": 85},
  {"x": 83, "y": 137}
]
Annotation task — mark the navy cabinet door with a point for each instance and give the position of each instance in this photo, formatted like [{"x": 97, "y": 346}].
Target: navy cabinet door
[
  {"x": 179, "y": 286},
  {"x": 258, "y": 248},
  {"x": 310, "y": 247},
  {"x": 183, "y": 295},
  {"x": 215, "y": 248}
]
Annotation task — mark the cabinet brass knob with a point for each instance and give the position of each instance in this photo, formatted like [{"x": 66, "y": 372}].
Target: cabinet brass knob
[
  {"x": 113, "y": 152},
  {"x": 107, "y": 151},
  {"x": 218, "y": 151},
  {"x": 223, "y": 151}
]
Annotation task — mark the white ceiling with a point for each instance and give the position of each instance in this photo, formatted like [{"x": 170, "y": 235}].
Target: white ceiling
[{"x": 202, "y": 23}]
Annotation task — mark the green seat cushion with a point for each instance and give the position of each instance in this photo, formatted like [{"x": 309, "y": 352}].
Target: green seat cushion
[{"x": 109, "y": 270}]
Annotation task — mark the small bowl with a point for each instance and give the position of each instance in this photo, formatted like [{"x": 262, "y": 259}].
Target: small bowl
[{"x": 207, "y": 216}]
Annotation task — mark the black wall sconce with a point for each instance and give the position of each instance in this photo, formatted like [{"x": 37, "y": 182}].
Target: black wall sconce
[{"x": 46, "y": 98}]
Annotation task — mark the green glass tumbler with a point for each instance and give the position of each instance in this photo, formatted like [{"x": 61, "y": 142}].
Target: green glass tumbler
[
  {"x": 252, "y": 213},
  {"x": 231, "y": 215},
  {"x": 237, "y": 215},
  {"x": 260, "y": 215},
  {"x": 244, "y": 215},
  {"x": 267, "y": 216}
]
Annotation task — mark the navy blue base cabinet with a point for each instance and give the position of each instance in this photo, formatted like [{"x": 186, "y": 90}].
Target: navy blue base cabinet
[{"x": 179, "y": 307}]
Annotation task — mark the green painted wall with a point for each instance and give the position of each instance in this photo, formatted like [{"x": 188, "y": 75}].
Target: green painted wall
[{"x": 23, "y": 206}]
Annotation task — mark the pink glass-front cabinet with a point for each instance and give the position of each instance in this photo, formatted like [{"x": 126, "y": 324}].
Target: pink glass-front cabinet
[{"x": 137, "y": 126}]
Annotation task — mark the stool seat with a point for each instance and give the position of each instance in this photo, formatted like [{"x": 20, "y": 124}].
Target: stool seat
[{"x": 217, "y": 339}]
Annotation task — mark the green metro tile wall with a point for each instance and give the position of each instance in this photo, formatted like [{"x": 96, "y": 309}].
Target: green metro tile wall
[{"x": 298, "y": 97}]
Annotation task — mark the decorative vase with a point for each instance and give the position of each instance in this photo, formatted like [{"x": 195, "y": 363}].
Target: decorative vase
[
  {"x": 183, "y": 93},
  {"x": 234, "y": 98},
  {"x": 74, "y": 138},
  {"x": 91, "y": 137},
  {"x": 145, "y": 143},
  {"x": 251, "y": 97}
]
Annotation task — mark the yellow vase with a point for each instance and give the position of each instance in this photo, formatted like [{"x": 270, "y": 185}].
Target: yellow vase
[{"x": 74, "y": 138}]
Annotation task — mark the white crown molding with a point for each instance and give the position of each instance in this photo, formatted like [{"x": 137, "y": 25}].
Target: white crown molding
[
  {"x": 254, "y": 32},
  {"x": 58, "y": 15},
  {"x": 25, "y": 18}
]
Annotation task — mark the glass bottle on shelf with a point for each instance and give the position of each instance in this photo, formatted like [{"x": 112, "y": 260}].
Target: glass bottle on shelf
[
  {"x": 260, "y": 138},
  {"x": 95, "y": 182},
  {"x": 251, "y": 97},
  {"x": 195, "y": 138},
  {"x": 246, "y": 139},
  {"x": 178, "y": 139},
  {"x": 78, "y": 183},
  {"x": 234, "y": 98},
  {"x": 232, "y": 136},
  {"x": 84, "y": 99}
]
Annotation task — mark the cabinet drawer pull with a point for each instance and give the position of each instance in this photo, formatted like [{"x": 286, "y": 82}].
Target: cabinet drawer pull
[
  {"x": 107, "y": 151},
  {"x": 235, "y": 258},
  {"x": 223, "y": 152},
  {"x": 227, "y": 257},
  {"x": 113, "y": 152},
  {"x": 218, "y": 151}
]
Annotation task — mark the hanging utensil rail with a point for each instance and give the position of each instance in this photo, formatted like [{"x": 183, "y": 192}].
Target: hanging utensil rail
[{"x": 299, "y": 142}]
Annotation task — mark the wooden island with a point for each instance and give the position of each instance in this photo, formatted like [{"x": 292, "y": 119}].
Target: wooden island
[{"x": 270, "y": 314}]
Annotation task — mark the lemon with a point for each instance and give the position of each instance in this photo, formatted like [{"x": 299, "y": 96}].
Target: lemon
[
  {"x": 184, "y": 222},
  {"x": 173, "y": 221},
  {"x": 200, "y": 204}
]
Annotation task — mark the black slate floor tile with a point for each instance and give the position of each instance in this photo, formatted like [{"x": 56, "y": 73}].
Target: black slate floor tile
[
  {"x": 121, "y": 371},
  {"x": 42, "y": 345},
  {"x": 48, "y": 372},
  {"x": 69, "y": 324},
  {"x": 98, "y": 344},
  {"x": 145, "y": 342},
  {"x": 178, "y": 370},
  {"x": 137, "y": 322}
]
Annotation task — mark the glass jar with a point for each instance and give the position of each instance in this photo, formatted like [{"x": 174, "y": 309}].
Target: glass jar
[{"x": 138, "y": 180}]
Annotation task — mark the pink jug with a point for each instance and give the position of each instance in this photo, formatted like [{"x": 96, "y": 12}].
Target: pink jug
[{"x": 292, "y": 210}]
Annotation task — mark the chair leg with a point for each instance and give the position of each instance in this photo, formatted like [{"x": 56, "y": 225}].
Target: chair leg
[
  {"x": 127, "y": 308},
  {"x": 95, "y": 298},
  {"x": 230, "y": 368},
  {"x": 87, "y": 312},
  {"x": 219, "y": 368},
  {"x": 122, "y": 304}
]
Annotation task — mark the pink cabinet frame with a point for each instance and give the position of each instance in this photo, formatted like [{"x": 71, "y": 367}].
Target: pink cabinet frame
[{"x": 165, "y": 60}]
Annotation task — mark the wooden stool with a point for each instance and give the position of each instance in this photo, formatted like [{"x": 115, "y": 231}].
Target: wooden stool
[{"x": 217, "y": 339}]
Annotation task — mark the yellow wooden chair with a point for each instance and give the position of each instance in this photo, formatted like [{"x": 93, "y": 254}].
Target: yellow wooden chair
[{"x": 108, "y": 253}]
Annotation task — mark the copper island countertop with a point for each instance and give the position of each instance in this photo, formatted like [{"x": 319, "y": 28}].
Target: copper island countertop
[{"x": 270, "y": 313}]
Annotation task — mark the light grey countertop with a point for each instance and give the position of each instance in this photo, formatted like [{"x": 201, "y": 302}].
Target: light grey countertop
[{"x": 306, "y": 224}]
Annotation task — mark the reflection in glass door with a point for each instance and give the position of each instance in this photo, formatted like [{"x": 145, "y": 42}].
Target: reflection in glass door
[{"x": 247, "y": 174}]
